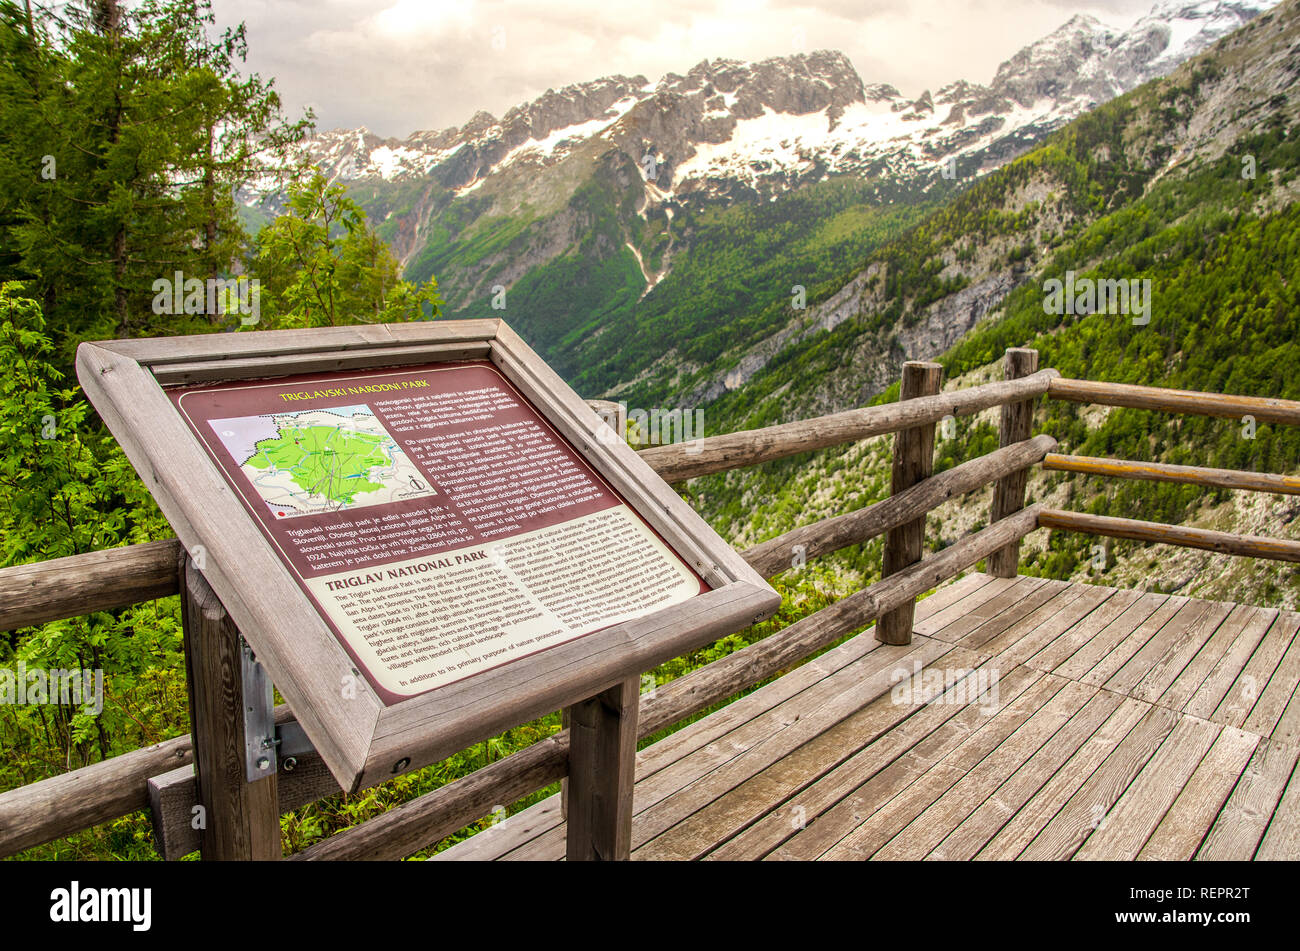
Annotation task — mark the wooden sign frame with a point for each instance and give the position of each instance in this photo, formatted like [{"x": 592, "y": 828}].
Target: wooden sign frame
[{"x": 362, "y": 740}]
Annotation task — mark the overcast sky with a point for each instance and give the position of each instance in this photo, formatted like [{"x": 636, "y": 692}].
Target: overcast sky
[{"x": 396, "y": 66}]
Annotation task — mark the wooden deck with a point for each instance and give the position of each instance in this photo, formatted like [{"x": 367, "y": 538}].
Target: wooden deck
[{"x": 1124, "y": 725}]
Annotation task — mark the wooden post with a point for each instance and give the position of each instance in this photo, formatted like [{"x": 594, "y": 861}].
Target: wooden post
[
  {"x": 913, "y": 463},
  {"x": 614, "y": 415},
  {"x": 240, "y": 820},
  {"x": 1009, "y": 491},
  {"x": 565, "y": 722},
  {"x": 602, "y": 770}
]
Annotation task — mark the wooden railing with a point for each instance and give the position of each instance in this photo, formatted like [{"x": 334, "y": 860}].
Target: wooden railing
[{"x": 161, "y": 777}]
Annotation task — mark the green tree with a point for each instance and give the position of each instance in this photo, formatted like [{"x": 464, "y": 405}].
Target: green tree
[
  {"x": 321, "y": 265},
  {"x": 123, "y": 136}
]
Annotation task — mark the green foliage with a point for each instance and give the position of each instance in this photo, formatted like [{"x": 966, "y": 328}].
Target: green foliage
[
  {"x": 320, "y": 265},
  {"x": 68, "y": 490},
  {"x": 124, "y": 135}
]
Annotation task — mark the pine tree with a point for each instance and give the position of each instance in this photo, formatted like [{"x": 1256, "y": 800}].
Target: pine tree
[{"x": 126, "y": 133}]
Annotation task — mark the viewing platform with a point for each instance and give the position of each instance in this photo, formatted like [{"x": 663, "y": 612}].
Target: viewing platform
[{"x": 1091, "y": 723}]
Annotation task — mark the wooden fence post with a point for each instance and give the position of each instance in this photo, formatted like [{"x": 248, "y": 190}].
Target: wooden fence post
[
  {"x": 602, "y": 770},
  {"x": 913, "y": 463},
  {"x": 614, "y": 415},
  {"x": 1009, "y": 492},
  {"x": 240, "y": 820}
]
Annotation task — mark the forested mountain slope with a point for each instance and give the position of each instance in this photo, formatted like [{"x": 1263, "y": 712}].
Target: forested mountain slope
[{"x": 1189, "y": 183}]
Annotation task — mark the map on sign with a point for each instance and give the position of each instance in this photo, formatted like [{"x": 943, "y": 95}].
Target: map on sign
[{"x": 324, "y": 460}]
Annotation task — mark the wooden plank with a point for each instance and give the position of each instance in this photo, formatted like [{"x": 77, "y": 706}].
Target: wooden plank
[
  {"x": 930, "y": 626},
  {"x": 979, "y": 614},
  {"x": 1185, "y": 825},
  {"x": 930, "y": 828},
  {"x": 1212, "y": 691},
  {"x": 975, "y": 831},
  {"x": 831, "y": 534},
  {"x": 876, "y": 726},
  {"x": 704, "y": 731},
  {"x": 1183, "y": 475},
  {"x": 948, "y": 594},
  {"x": 1240, "y": 825},
  {"x": 1150, "y": 612},
  {"x": 838, "y": 795},
  {"x": 241, "y": 819},
  {"x": 1225, "y": 543},
  {"x": 1273, "y": 698},
  {"x": 679, "y": 462},
  {"x": 1244, "y": 693},
  {"x": 1087, "y": 808},
  {"x": 81, "y": 584},
  {"x": 1185, "y": 612},
  {"x": 1241, "y": 622},
  {"x": 934, "y": 779},
  {"x": 1051, "y": 653},
  {"x": 1021, "y": 829},
  {"x": 1046, "y": 623},
  {"x": 913, "y": 463},
  {"x": 496, "y": 840},
  {"x": 851, "y": 795},
  {"x": 677, "y": 793},
  {"x": 1281, "y": 842},
  {"x": 1209, "y": 635},
  {"x": 602, "y": 764},
  {"x": 1038, "y": 597},
  {"x": 1127, "y": 825},
  {"x": 761, "y": 739},
  {"x": 1264, "y": 410},
  {"x": 210, "y": 371},
  {"x": 1187, "y": 625},
  {"x": 1288, "y": 725},
  {"x": 1015, "y": 424}
]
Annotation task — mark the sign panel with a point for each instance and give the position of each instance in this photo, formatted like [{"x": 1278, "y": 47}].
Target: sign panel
[
  {"x": 439, "y": 523},
  {"x": 426, "y": 537}
]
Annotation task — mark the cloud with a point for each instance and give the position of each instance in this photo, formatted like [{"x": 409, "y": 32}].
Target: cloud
[{"x": 403, "y": 65}]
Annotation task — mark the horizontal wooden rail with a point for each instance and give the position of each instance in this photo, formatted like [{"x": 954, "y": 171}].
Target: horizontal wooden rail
[
  {"x": 62, "y": 805},
  {"x": 1163, "y": 472},
  {"x": 774, "y": 556},
  {"x": 81, "y": 584},
  {"x": 1264, "y": 410},
  {"x": 413, "y": 825},
  {"x": 1251, "y": 546},
  {"x": 681, "y": 461}
]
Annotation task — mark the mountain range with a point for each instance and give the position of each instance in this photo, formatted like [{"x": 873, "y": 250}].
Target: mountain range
[{"x": 648, "y": 237}]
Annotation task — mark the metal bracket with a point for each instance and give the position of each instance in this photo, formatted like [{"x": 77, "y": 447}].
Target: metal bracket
[
  {"x": 291, "y": 741},
  {"x": 259, "y": 717}
]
